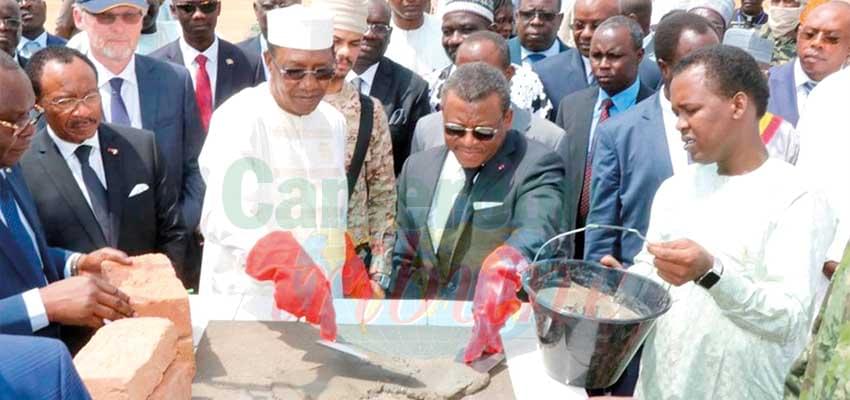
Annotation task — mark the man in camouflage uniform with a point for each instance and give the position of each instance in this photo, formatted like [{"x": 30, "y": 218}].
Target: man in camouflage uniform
[
  {"x": 823, "y": 370},
  {"x": 784, "y": 45},
  {"x": 371, "y": 206}
]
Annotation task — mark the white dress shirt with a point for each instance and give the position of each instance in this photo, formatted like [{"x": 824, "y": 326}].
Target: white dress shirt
[
  {"x": 189, "y": 60},
  {"x": 40, "y": 39},
  {"x": 675, "y": 145},
  {"x": 67, "y": 149},
  {"x": 129, "y": 91},
  {"x": 588, "y": 71},
  {"x": 419, "y": 50},
  {"x": 800, "y": 80},
  {"x": 452, "y": 179},
  {"x": 553, "y": 50},
  {"x": 367, "y": 78}
]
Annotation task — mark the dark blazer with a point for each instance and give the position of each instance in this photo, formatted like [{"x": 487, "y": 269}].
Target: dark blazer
[
  {"x": 575, "y": 116},
  {"x": 234, "y": 71},
  {"x": 564, "y": 74},
  {"x": 404, "y": 96},
  {"x": 18, "y": 276},
  {"x": 170, "y": 112},
  {"x": 253, "y": 51},
  {"x": 23, "y": 61},
  {"x": 514, "y": 47},
  {"x": 55, "y": 40},
  {"x": 783, "y": 92},
  {"x": 630, "y": 161},
  {"x": 147, "y": 222},
  {"x": 523, "y": 184},
  {"x": 38, "y": 368}
]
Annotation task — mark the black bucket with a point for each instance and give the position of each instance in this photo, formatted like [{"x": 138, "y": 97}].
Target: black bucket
[{"x": 591, "y": 351}]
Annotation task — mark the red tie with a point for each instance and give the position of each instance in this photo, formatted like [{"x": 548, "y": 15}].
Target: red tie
[
  {"x": 203, "y": 91},
  {"x": 584, "y": 203}
]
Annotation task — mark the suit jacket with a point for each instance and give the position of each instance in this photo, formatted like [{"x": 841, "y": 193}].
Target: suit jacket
[
  {"x": 234, "y": 71},
  {"x": 147, "y": 222},
  {"x": 429, "y": 131},
  {"x": 253, "y": 51},
  {"x": 38, "y": 368},
  {"x": 170, "y": 112},
  {"x": 564, "y": 74},
  {"x": 630, "y": 161},
  {"x": 404, "y": 96},
  {"x": 55, "y": 40},
  {"x": 18, "y": 276},
  {"x": 522, "y": 184},
  {"x": 515, "y": 49},
  {"x": 575, "y": 116},
  {"x": 783, "y": 92}
]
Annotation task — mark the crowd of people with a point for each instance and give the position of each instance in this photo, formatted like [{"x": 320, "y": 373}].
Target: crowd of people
[{"x": 407, "y": 149}]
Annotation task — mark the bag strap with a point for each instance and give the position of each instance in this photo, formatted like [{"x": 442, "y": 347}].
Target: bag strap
[{"x": 364, "y": 134}]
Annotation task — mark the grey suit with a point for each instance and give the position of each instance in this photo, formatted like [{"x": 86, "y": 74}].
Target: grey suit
[
  {"x": 523, "y": 179},
  {"x": 253, "y": 51},
  {"x": 429, "y": 131}
]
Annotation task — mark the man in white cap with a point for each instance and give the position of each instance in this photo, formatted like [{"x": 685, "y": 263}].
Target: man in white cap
[
  {"x": 275, "y": 159},
  {"x": 368, "y": 150}
]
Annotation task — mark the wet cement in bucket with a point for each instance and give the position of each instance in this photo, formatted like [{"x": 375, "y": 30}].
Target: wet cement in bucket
[{"x": 580, "y": 300}]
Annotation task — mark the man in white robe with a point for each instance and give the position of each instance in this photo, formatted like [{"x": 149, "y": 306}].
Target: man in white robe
[{"x": 274, "y": 160}]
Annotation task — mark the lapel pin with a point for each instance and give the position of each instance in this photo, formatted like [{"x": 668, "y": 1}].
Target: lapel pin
[
  {"x": 228, "y": 61},
  {"x": 500, "y": 167},
  {"x": 112, "y": 151}
]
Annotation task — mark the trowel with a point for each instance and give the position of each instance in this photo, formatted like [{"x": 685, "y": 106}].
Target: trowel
[
  {"x": 484, "y": 364},
  {"x": 346, "y": 349}
]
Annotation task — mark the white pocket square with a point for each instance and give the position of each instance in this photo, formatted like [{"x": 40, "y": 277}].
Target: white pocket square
[
  {"x": 138, "y": 189},
  {"x": 483, "y": 205}
]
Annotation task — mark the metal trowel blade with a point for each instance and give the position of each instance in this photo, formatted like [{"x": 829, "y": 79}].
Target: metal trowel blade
[
  {"x": 345, "y": 349},
  {"x": 484, "y": 364}
]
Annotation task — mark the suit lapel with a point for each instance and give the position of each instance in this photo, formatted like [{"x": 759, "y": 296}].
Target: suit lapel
[
  {"x": 57, "y": 169},
  {"x": 382, "y": 81},
  {"x": 113, "y": 168},
  {"x": 584, "y": 122},
  {"x": 10, "y": 248},
  {"x": 654, "y": 117},
  {"x": 224, "y": 76},
  {"x": 147, "y": 98},
  {"x": 430, "y": 180},
  {"x": 30, "y": 274},
  {"x": 578, "y": 61}
]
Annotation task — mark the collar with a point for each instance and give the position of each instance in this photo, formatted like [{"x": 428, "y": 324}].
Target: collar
[
  {"x": 104, "y": 75},
  {"x": 588, "y": 72},
  {"x": 264, "y": 45},
  {"x": 664, "y": 102},
  {"x": 553, "y": 50},
  {"x": 67, "y": 148},
  {"x": 623, "y": 100},
  {"x": 40, "y": 39},
  {"x": 368, "y": 76},
  {"x": 800, "y": 77},
  {"x": 190, "y": 53}
]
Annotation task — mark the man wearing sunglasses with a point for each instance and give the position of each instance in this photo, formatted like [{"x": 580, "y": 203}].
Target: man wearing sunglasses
[
  {"x": 145, "y": 93},
  {"x": 41, "y": 286},
  {"x": 537, "y": 28},
  {"x": 488, "y": 186},
  {"x": 255, "y": 47}
]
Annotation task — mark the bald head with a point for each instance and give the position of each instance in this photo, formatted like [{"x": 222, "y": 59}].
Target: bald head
[
  {"x": 487, "y": 47},
  {"x": 823, "y": 39},
  {"x": 638, "y": 10},
  {"x": 587, "y": 16}
]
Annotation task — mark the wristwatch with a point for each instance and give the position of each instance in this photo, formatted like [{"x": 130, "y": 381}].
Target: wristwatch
[
  {"x": 383, "y": 280},
  {"x": 710, "y": 277}
]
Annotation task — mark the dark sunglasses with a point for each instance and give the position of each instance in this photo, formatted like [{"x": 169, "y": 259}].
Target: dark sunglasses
[
  {"x": 297, "y": 74},
  {"x": 482, "y": 133},
  {"x": 108, "y": 18},
  {"x": 545, "y": 16},
  {"x": 207, "y": 7}
]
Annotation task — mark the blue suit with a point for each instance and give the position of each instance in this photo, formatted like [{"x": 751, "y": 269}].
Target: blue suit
[
  {"x": 55, "y": 40},
  {"x": 38, "y": 368},
  {"x": 783, "y": 92},
  {"x": 167, "y": 102},
  {"x": 17, "y": 275},
  {"x": 564, "y": 74},
  {"x": 253, "y": 50},
  {"x": 630, "y": 161},
  {"x": 515, "y": 48}
]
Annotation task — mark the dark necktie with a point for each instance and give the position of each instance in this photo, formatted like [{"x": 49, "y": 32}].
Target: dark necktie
[
  {"x": 116, "y": 104},
  {"x": 444, "y": 252},
  {"x": 584, "y": 203},
  {"x": 809, "y": 86},
  {"x": 535, "y": 57},
  {"x": 203, "y": 91},
  {"x": 358, "y": 83},
  {"x": 96, "y": 191},
  {"x": 16, "y": 225}
]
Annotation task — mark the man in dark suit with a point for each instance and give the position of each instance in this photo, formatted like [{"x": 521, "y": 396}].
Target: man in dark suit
[
  {"x": 146, "y": 93},
  {"x": 537, "y": 29},
  {"x": 128, "y": 203},
  {"x": 791, "y": 83},
  {"x": 225, "y": 68},
  {"x": 255, "y": 47},
  {"x": 615, "y": 54},
  {"x": 507, "y": 190},
  {"x": 570, "y": 71},
  {"x": 40, "y": 288},
  {"x": 10, "y": 30},
  {"x": 34, "y": 37},
  {"x": 402, "y": 92},
  {"x": 38, "y": 368}
]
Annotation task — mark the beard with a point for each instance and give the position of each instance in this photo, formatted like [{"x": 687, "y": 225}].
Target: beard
[{"x": 120, "y": 51}]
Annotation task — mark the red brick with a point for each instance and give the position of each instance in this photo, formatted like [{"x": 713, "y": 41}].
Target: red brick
[
  {"x": 186, "y": 352},
  {"x": 176, "y": 383},
  {"x": 126, "y": 359}
]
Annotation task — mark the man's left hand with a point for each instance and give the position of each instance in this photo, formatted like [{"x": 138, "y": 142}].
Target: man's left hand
[
  {"x": 91, "y": 262},
  {"x": 680, "y": 261}
]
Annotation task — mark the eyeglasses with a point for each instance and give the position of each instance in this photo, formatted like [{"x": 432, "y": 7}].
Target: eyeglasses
[
  {"x": 30, "y": 119},
  {"x": 380, "y": 29},
  {"x": 11, "y": 23},
  {"x": 108, "y": 18},
  {"x": 207, "y": 7},
  {"x": 482, "y": 133},
  {"x": 545, "y": 16},
  {"x": 297, "y": 74},
  {"x": 70, "y": 103}
]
